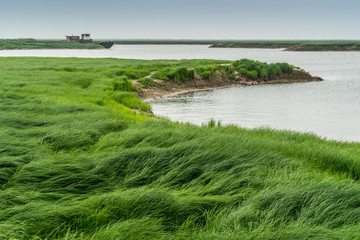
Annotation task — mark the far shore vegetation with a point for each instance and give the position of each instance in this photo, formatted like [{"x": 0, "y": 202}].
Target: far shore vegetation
[
  {"x": 45, "y": 44},
  {"x": 289, "y": 45},
  {"x": 295, "y": 45},
  {"x": 82, "y": 157}
]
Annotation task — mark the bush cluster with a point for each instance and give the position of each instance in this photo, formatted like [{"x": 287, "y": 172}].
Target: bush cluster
[
  {"x": 206, "y": 71},
  {"x": 179, "y": 75},
  {"x": 256, "y": 69}
]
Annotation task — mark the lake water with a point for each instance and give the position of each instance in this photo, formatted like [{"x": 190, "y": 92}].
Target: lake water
[{"x": 329, "y": 109}]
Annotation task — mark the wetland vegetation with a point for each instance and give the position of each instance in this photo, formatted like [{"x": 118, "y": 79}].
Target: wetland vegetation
[
  {"x": 293, "y": 45},
  {"x": 30, "y": 43},
  {"x": 289, "y": 45},
  {"x": 77, "y": 162}
]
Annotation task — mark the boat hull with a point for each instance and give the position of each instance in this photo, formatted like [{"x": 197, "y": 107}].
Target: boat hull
[{"x": 107, "y": 44}]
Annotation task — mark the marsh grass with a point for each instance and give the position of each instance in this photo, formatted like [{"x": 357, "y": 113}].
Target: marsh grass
[
  {"x": 38, "y": 44},
  {"x": 77, "y": 163}
]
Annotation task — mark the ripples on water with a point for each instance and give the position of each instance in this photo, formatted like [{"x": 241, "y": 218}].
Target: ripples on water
[{"x": 330, "y": 109}]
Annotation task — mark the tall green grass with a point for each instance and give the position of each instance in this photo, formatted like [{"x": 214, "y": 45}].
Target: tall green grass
[{"x": 78, "y": 163}]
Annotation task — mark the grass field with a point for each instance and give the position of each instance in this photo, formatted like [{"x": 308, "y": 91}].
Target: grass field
[{"x": 77, "y": 163}]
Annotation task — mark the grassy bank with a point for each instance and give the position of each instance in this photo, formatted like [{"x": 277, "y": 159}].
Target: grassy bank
[
  {"x": 77, "y": 163},
  {"x": 171, "y": 80},
  {"x": 293, "y": 45},
  {"x": 44, "y": 44}
]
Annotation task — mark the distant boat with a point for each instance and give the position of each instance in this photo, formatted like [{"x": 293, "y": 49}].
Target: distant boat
[
  {"x": 106, "y": 44},
  {"x": 85, "y": 38}
]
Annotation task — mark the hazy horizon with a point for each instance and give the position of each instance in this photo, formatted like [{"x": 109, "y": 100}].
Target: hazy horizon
[{"x": 196, "y": 19}]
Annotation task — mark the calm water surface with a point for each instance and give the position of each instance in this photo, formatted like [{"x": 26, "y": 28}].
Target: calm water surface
[{"x": 330, "y": 109}]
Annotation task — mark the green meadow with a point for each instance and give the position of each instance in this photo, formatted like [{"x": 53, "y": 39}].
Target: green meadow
[{"x": 81, "y": 157}]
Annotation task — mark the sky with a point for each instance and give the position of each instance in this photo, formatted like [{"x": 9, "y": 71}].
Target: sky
[{"x": 181, "y": 19}]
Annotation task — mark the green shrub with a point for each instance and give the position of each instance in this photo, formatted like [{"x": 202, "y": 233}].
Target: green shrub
[
  {"x": 264, "y": 73},
  {"x": 253, "y": 74},
  {"x": 206, "y": 74},
  {"x": 122, "y": 84},
  {"x": 130, "y": 100},
  {"x": 274, "y": 69},
  {"x": 285, "y": 67},
  {"x": 199, "y": 70},
  {"x": 159, "y": 75},
  {"x": 169, "y": 72},
  {"x": 147, "y": 82},
  {"x": 233, "y": 77},
  {"x": 229, "y": 69},
  {"x": 191, "y": 74},
  {"x": 133, "y": 73},
  {"x": 248, "y": 68},
  {"x": 182, "y": 74}
]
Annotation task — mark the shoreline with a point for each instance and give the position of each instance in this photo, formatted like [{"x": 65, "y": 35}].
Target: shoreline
[
  {"x": 184, "y": 89},
  {"x": 294, "y": 48}
]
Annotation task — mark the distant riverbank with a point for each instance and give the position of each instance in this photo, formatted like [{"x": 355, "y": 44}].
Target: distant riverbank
[
  {"x": 288, "y": 45},
  {"x": 8, "y": 44},
  {"x": 293, "y": 45}
]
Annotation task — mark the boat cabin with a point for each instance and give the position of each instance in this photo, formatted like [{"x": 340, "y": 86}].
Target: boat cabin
[
  {"x": 85, "y": 38},
  {"x": 73, "y": 38}
]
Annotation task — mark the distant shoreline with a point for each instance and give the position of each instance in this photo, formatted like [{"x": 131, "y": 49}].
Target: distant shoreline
[
  {"x": 312, "y": 46},
  {"x": 288, "y": 45}
]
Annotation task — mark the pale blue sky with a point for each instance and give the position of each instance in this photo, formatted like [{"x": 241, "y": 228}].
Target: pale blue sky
[{"x": 185, "y": 19}]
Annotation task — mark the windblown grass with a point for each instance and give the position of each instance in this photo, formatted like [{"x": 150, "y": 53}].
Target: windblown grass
[{"x": 77, "y": 163}]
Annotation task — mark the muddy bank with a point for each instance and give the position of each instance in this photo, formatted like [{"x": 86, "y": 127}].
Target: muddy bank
[{"x": 170, "y": 88}]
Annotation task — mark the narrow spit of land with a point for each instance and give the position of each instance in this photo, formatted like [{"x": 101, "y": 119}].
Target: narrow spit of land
[
  {"x": 158, "y": 89},
  {"x": 77, "y": 162},
  {"x": 306, "y": 45},
  {"x": 240, "y": 73}
]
